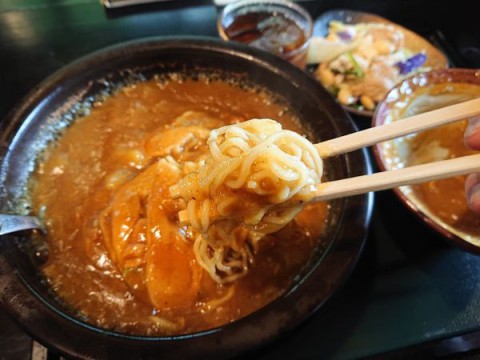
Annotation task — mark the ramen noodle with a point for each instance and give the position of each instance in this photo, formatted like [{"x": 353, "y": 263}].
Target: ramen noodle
[{"x": 256, "y": 180}]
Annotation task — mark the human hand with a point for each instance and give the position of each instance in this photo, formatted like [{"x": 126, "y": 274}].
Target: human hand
[{"x": 472, "y": 184}]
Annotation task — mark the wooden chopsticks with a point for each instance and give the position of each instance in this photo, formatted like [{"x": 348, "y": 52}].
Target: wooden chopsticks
[{"x": 407, "y": 176}]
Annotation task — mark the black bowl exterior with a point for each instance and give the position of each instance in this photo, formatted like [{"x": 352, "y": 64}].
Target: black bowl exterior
[{"x": 31, "y": 125}]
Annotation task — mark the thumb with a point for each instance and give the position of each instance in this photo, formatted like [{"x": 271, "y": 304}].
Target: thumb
[
  {"x": 472, "y": 191},
  {"x": 472, "y": 133}
]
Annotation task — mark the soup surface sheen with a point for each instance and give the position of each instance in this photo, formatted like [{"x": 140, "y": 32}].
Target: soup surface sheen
[
  {"x": 117, "y": 254},
  {"x": 444, "y": 199}
]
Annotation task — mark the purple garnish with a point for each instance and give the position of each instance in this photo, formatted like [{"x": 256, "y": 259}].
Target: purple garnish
[
  {"x": 344, "y": 35},
  {"x": 412, "y": 63}
]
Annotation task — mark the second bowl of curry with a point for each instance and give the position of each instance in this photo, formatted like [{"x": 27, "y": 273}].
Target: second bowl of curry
[{"x": 441, "y": 204}]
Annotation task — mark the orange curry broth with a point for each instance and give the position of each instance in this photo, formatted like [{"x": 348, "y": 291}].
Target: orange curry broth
[
  {"x": 84, "y": 170},
  {"x": 445, "y": 198}
]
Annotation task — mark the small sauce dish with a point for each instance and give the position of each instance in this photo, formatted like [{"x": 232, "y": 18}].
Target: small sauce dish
[{"x": 277, "y": 26}]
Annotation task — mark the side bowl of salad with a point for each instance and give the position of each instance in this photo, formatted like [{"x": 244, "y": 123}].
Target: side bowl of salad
[{"x": 358, "y": 57}]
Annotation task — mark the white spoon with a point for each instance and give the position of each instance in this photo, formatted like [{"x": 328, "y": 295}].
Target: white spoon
[{"x": 13, "y": 223}]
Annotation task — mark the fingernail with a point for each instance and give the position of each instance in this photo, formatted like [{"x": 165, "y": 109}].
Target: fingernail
[
  {"x": 474, "y": 198},
  {"x": 473, "y": 126}
]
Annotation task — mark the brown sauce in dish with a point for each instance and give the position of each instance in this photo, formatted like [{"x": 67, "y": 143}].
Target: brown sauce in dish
[
  {"x": 445, "y": 198},
  {"x": 102, "y": 263},
  {"x": 268, "y": 31}
]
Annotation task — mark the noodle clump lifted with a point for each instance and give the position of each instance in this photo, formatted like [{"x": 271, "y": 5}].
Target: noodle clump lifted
[{"x": 256, "y": 180}]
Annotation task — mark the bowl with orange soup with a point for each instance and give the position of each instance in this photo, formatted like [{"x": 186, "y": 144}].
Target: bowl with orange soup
[
  {"x": 93, "y": 151},
  {"x": 441, "y": 204}
]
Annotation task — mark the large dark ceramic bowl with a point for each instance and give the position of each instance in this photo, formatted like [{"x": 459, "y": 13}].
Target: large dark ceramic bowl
[{"x": 56, "y": 103}]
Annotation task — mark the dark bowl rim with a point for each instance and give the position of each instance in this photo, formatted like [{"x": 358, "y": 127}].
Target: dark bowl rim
[
  {"x": 259, "y": 58},
  {"x": 378, "y": 120}
]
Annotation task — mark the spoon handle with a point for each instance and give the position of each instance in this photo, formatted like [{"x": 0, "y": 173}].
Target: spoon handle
[{"x": 13, "y": 223}]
